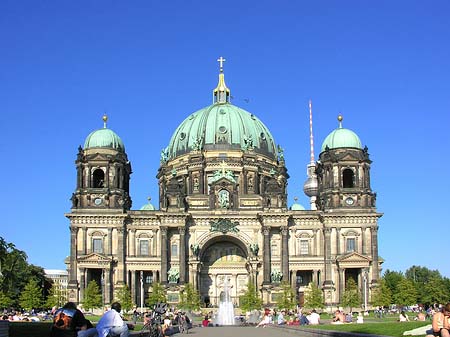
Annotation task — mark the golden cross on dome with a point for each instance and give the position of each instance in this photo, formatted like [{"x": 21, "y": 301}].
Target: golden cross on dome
[{"x": 221, "y": 60}]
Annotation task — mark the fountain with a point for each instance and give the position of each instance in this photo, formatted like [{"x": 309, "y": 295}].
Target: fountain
[{"x": 225, "y": 315}]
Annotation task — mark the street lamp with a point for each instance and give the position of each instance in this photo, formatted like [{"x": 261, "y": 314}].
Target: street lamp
[
  {"x": 365, "y": 288},
  {"x": 142, "y": 291}
]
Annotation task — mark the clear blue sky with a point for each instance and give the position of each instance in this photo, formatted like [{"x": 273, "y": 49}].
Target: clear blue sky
[{"x": 385, "y": 65}]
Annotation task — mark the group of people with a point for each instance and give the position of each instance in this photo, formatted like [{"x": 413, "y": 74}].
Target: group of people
[
  {"x": 70, "y": 322},
  {"x": 288, "y": 318}
]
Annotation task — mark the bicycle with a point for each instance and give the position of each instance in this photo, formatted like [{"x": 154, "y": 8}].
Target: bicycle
[
  {"x": 183, "y": 324},
  {"x": 153, "y": 323}
]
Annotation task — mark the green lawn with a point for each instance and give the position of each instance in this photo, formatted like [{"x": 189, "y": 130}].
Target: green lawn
[{"x": 381, "y": 328}]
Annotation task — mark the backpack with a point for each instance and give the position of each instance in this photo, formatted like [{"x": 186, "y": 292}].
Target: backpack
[{"x": 63, "y": 319}]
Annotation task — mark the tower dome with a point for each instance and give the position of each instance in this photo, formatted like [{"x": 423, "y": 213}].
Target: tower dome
[
  {"x": 341, "y": 138},
  {"x": 104, "y": 138}
]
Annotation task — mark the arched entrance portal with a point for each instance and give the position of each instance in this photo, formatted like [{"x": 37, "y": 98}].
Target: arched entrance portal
[{"x": 223, "y": 260}]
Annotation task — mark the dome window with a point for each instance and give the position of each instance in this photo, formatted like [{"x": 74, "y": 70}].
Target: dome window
[
  {"x": 222, "y": 129},
  {"x": 182, "y": 135},
  {"x": 263, "y": 136},
  {"x": 98, "y": 178},
  {"x": 222, "y": 112},
  {"x": 348, "y": 178}
]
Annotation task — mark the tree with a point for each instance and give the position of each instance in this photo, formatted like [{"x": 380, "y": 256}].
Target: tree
[
  {"x": 287, "y": 299},
  {"x": 392, "y": 279},
  {"x": 314, "y": 297},
  {"x": 124, "y": 298},
  {"x": 56, "y": 297},
  {"x": 351, "y": 297},
  {"x": 31, "y": 296},
  {"x": 250, "y": 300},
  {"x": 16, "y": 272},
  {"x": 381, "y": 295},
  {"x": 158, "y": 294},
  {"x": 5, "y": 300},
  {"x": 190, "y": 298},
  {"x": 434, "y": 291},
  {"x": 406, "y": 293},
  {"x": 92, "y": 296}
]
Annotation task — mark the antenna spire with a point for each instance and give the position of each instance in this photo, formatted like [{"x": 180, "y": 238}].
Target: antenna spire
[{"x": 311, "y": 138}]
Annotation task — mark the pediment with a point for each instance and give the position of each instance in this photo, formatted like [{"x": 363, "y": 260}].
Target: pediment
[
  {"x": 224, "y": 181},
  {"x": 95, "y": 258},
  {"x": 349, "y": 157},
  {"x": 353, "y": 258}
]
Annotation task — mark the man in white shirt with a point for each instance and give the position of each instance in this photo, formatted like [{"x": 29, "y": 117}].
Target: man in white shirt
[
  {"x": 112, "y": 323},
  {"x": 313, "y": 318}
]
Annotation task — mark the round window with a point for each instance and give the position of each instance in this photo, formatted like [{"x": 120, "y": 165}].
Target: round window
[
  {"x": 222, "y": 129},
  {"x": 182, "y": 135}
]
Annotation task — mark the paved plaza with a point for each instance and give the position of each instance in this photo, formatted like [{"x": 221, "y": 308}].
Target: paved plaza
[{"x": 237, "y": 331}]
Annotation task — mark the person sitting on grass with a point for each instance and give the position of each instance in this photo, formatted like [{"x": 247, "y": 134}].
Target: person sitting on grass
[
  {"x": 440, "y": 323},
  {"x": 339, "y": 317},
  {"x": 403, "y": 317},
  {"x": 111, "y": 323}
]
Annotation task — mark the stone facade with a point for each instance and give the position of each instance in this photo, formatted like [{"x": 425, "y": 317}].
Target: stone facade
[{"x": 223, "y": 214}]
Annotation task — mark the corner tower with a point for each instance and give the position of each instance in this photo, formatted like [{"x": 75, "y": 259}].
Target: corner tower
[
  {"x": 103, "y": 172},
  {"x": 344, "y": 172}
]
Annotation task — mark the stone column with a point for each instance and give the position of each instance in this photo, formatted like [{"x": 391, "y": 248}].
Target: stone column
[
  {"x": 120, "y": 271},
  {"x": 132, "y": 251},
  {"x": 82, "y": 282},
  {"x": 164, "y": 255},
  {"x": 327, "y": 252},
  {"x": 83, "y": 241},
  {"x": 338, "y": 241},
  {"x": 315, "y": 277},
  {"x": 316, "y": 251},
  {"x": 374, "y": 251},
  {"x": 73, "y": 282},
  {"x": 108, "y": 286},
  {"x": 182, "y": 231},
  {"x": 363, "y": 241},
  {"x": 341, "y": 283},
  {"x": 294, "y": 279},
  {"x": 284, "y": 253},
  {"x": 133, "y": 286},
  {"x": 266, "y": 255},
  {"x": 110, "y": 250}
]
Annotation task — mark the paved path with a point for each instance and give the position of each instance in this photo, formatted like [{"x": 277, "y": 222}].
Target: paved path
[{"x": 238, "y": 332}]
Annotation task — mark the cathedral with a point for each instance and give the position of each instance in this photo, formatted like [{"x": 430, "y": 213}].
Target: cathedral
[{"x": 222, "y": 216}]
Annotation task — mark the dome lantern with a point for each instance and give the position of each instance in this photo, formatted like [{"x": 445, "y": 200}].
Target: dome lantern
[{"x": 221, "y": 93}]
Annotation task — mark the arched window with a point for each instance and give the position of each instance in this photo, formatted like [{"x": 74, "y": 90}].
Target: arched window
[
  {"x": 98, "y": 178},
  {"x": 348, "y": 178}
]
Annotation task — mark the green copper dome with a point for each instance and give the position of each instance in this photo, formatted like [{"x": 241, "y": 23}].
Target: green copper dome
[
  {"x": 297, "y": 207},
  {"x": 340, "y": 138},
  {"x": 221, "y": 126},
  {"x": 104, "y": 138},
  {"x": 148, "y": 206}
]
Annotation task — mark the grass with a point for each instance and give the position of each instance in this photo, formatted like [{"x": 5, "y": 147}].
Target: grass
[{"x": 395, "y": 329}]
